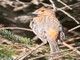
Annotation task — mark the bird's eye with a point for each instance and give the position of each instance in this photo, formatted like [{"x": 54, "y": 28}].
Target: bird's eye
[{"x": 42, "y": 10}]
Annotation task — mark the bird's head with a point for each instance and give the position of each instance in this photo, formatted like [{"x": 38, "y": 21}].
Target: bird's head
[{"x": 43, "y": 11}]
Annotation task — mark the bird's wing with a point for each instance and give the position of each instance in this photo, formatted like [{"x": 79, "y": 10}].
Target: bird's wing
[
  {"x": 38, "y": 30},
  {"x": 55, "y": 28},
  {"x": 61, "y": 33}
]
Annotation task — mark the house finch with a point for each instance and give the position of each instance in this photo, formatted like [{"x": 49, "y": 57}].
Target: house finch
[{"x": 47, "y": 27}]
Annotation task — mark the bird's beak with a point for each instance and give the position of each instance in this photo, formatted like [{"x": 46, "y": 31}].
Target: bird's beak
[{"x": 35, "y": 12}]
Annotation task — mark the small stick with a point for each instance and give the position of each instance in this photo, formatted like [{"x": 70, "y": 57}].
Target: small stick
[
  {"x": 21, "y": 7},
  {"x": 34, "y": 38},
  {"x": 34, "y": 58},
  {"x": 72, "y": 39},
  {"x": 63, "y": 55},
  {"x": 68, "y": 15},
  {"x": 71, "y": 47},
  {"x": 64, "y": 4},
  {"x": 21, "y": 57},
  {"x": 53, "y": 5},
  {"x": 20, "y": 2},
  {"x": 74, "y": 28},
  {"x": 19, "y": 28}
]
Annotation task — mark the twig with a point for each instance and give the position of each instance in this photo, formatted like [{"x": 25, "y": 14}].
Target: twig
[
  {"x": 21, "y": 7},
  {"x": 36, "y": 2},
  {"x": 74, "y": 32},
  {"x": 68, "y": 15},
  {"x": 45, "y": 4},
  {"x": 18, "y": 28},
  {"x": 72, "y": 5},
  {"x": 64, "y": 7},
  {"x": 74, "y": 28},
  {"x": 63, "y": 55},
  {"x": 21, "y": 57},
  {"x": 20, "y": 2},
  {"x": 72, "y": 39},
  {"x": 26, "y": 5},
  {"x": 71, "y": 47},
  {"x": 34, "y": 38},
  {"x": 51, "y": 55},
  {"x": 64, "y": 4},
  {"x": 53, "y": 5}
]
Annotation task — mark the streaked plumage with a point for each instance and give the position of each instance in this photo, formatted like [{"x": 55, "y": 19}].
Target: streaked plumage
[{"x": 47, "y": 27}]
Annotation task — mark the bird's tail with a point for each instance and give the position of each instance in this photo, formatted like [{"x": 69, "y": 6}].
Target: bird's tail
[{"x": 54, "y": 49}]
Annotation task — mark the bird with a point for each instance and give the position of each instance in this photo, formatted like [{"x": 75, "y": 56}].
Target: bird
[{"x": 48, "y": 28}]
